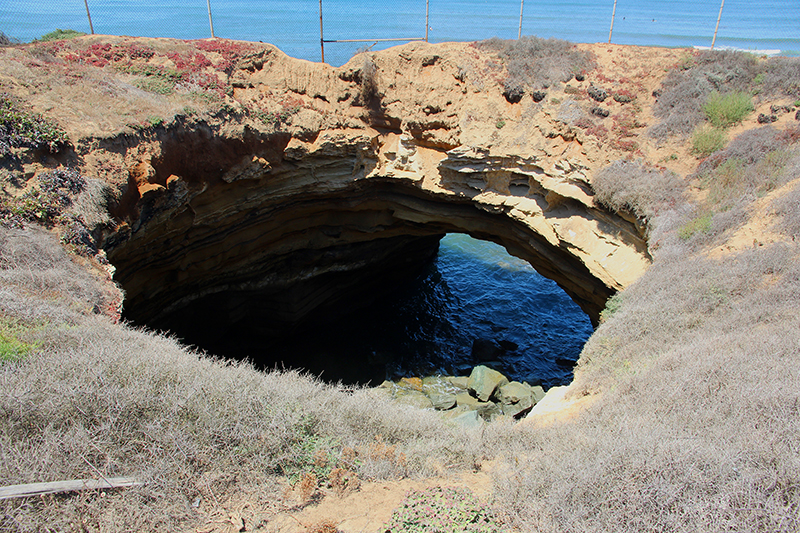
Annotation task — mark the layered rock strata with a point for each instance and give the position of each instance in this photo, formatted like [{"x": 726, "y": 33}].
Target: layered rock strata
[{"x": 225, "y": 215}]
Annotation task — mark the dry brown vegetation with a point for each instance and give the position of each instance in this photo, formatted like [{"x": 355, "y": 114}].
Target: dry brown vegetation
[{"x": 697, "y": 426}]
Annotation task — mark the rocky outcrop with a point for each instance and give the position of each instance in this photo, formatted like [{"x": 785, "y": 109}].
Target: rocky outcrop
[
  {"x": 312, "y": 184},
  {"x": 485, "y": 394}
]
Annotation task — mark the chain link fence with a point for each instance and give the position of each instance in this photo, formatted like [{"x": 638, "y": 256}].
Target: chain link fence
[{"x": 294, "y": 25}]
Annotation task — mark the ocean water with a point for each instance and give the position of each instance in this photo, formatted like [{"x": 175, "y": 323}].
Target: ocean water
[
  {"x": 473, "y": 290},
  {"x": 294, "y": 25}
]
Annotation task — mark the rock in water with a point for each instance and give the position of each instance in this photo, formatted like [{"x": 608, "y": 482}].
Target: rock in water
[
  {"x": 485, "y": 350},
  {"x": 483, "y": 381}
]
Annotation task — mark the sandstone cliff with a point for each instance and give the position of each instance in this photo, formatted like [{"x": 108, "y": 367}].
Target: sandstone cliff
[{"x": 246, "y": 180}]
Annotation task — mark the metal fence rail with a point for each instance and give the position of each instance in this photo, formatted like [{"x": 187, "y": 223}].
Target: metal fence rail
[{"x": 299, "y": 26}]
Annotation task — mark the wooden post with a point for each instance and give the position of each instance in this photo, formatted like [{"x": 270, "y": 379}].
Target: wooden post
[
  {"x": 91, "y": 28},
  {"x": 427, "y": 11},
  {"x": 717, "y": 28},
  {"x": 613, "y": 14},
  {"x": 321, "y": 42},
  {"x": 210, "y": 22},
  {"x": 521, "y": 7}
]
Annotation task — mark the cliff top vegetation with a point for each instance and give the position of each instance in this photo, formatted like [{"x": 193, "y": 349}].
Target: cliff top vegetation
[{"x": 692, "y": 418}]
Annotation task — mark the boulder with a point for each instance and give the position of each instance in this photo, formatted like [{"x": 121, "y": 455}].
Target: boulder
[
  {"x": 514, "y": 392},
  {"x": 437, "y": 385},
  {"x": 485, "y": 350},
  {"x": 516, "y": 399},
  {"x": 483, "y": 381},
  {"x": 411, "y": 383},
  {"x": 442, "y": 401},
  {"x": 413, "y": 398},
  {"x": 459, "y": 382},
  {"x": 468, "y": 419},
  {"x": 538, "y": 393},
  {"x": 489, "y": 410},
  {"x": 464, "y": 399},
  {"x": 517, "y": 410}
]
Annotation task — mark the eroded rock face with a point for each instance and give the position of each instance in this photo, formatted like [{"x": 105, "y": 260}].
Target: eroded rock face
[{"x": 229, "y": 215}]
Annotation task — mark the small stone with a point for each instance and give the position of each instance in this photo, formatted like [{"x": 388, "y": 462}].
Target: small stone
[
  {"x": 599, "y": 111},
  {"x": 580, "y": 76},
  {"x": 483, "y": 381}
]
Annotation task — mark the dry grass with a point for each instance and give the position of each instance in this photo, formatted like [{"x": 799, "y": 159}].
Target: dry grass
[
  {"x": 698, "y": 426},
  {"x": 687, "y": 87},
  {"x": 98, "y": 399},
  {"x": 637, "y": 188},
  {"x": 535, "y": 63}
]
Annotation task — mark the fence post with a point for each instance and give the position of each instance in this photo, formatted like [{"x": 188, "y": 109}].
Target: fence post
[
  {"x": 321, "y": 41},
  {"x": 521, "y": 6},
  {"x": 427, "y": 11},
  {"x": 717, "y": 27},
  {"x": 613, "y": 14},
  {"x": 89, "y": 15},
  {"x": 210, "y": 22}
]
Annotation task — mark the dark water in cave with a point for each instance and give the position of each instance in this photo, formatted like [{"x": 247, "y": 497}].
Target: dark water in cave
[{"x": 473, "y": 290}]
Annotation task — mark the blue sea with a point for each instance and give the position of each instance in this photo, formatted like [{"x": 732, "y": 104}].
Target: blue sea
[
  {"x": 473, "y": 291},
  {"x": 294, "y": 25}
]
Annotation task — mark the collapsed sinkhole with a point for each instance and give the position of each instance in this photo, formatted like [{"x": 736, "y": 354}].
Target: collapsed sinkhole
[{"x": 437, "y": 306}]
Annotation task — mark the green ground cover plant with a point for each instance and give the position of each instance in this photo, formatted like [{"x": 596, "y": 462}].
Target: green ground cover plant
[
  {"x": 707, "y": 139},
  {"x": 724, "y": 110},
  {"x": 684, "y": 91},
  {"x": 12, "y": 347},
  {"x": 443, "y": 510},
  {"x": 59, "y": 35},
  {"x": 21, "y": 128}
]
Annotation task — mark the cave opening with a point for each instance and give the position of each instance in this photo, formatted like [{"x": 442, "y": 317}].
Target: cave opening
[{"x": 438, "y": 305}]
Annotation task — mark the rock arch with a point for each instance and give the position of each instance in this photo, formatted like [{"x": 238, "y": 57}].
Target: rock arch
[{"x": 230, "y": 224}]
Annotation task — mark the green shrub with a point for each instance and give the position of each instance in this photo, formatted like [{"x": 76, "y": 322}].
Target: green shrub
[
  {"x": 441, "y": 510},
  {"x": 724, "y": 110},
  {"x": 700, "y": 224},
  {"x": 58, "y": 35},
  {"x": 612, "y": 306},
  {"x": 157, "y": 85},
  {"x": 686, "y": 88},
  {"x": 707, "y": 140},
  {"x": 20, "y": 128},
  {"x": 11, "y": 347},
  {"x": 753, "y": 164}
]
